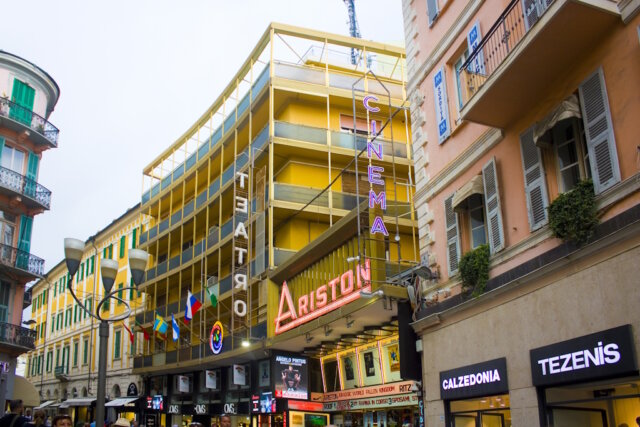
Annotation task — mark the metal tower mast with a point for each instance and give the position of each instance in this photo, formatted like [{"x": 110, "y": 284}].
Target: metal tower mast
[{"x": 354, "y": 31}]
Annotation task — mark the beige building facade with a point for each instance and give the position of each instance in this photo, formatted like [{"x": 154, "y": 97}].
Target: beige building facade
[{"x": 516, "y": 106}]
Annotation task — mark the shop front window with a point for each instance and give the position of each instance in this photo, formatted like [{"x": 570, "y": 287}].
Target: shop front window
[
  {"x": 594, "y": 405},
  {"x": 489, "y": 411}
]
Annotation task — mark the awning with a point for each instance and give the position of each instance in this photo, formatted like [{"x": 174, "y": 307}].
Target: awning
[
  {"x": 121, "y": 401},
  {"x": 87, "y": 401},
  {"x": 568, "y": 108},
  {"x": 474, "y": 186},
  {"x": 26, "y": 391},
  {"x": 45, "y": 404}
]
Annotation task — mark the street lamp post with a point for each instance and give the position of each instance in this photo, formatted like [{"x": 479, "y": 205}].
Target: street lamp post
[{"x": 73, "y": 250}]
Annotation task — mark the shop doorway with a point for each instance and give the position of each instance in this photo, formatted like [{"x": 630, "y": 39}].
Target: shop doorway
[
  {"x": 602, "y": 404},
  {"x": 480, "y": 419},
  {"x": 489, "y": 411}
]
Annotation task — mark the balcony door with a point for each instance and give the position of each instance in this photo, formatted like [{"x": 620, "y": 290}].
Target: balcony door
[
  {"x": 23, "y": 95},
  {"x": 5, "y": 298},
  {"x": 7, "y": 231}
]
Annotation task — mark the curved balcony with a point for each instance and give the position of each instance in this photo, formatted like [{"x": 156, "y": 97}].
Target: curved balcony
[
  {"x": 12, "y": 183},
  {"x": 22, "y": 339},
  {"x": 18, "y": 118},
  {"x": 22, "y": 263}
]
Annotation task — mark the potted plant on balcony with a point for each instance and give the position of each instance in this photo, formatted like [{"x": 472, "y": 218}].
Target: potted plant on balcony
[
  {"x": 4, "y": 104},
  {"x": 474, "y": 271}
]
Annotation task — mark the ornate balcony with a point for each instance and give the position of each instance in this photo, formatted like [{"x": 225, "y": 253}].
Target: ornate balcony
[
  {"x": 512, "y": 69},
  {"x": 18, "y": 118},
  {"x": 61, "y": 373},
  {"x": 13, "y": 183},
  {"x": 22, "y": 263},
  {"x": 22, "y": 339}
]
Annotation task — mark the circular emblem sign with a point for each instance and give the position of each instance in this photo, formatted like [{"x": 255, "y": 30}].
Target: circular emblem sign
[{"x": 215, "y": 339}]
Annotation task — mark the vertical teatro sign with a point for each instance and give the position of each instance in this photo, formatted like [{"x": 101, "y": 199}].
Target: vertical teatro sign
[
  {"x": 374, "y": 173},
  {"x": 240, "y": 250}
]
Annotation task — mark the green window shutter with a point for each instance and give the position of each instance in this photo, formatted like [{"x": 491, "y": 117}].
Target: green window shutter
[
  {"x": 116, "y": 345},
  {"x": 105, "y": 306},
  {"x": 134, "y": 236},
  {"x": 120, "y": 293},
  {"x": 32, "y": 175},
  {"x": 104, "y": 253},
  {"x": 111, "y": 251},
  {"x": 75, "y": 354},
  {"x": 123, "y": 242},
  {"x": 23, "y": 95},
  {"x": 53, "y": 323},
  {"x": 24, "y": 242},
  {"x": 55, "y": 288},
  {"x": 131, "y": 290},
  {"x": 92, "y": 261},
  {"x": 75, "y": 313},
  {"x": 81, "y": 270},
  {"x": 85, "y": 352}
]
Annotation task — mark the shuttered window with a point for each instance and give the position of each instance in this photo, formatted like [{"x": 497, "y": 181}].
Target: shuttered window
[
  {"x": 123, "y": 242},
  {"x": 601, "y": 144},
  {"x": 492, "y": 205},
  {"x": 432, "y": 11},
  {"x": 453, "y": 238},
  {"x": 534, "y": 184}
]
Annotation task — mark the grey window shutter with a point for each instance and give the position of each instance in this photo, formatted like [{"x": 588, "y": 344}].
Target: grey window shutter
[
  {"x": 432, "y": 10},
  {"x": 599, "y": 130},
  {"x": 534, "y": 184},
  {"x": 492, "y": 206},
  {"x": 453, "y": 237},
  {"x": 530, "y": 12}
]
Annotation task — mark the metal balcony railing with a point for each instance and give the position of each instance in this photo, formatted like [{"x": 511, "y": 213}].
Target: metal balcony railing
[
  {"x": 16, "y": 258},
  {"x": 505, "y": 34},
  {"x": 17, "y": 336},
  {"x": 25, "y": 186},
  {"x": 30, "y": 119}
]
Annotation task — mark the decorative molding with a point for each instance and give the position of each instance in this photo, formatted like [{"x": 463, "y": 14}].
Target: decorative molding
[
  {"x": 468, "y": 13},
  {"x": 619, "y": 191},
  {"x": 460, "y": 164}
]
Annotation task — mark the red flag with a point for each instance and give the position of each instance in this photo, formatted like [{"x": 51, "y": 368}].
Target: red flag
[
  {"x": 129, "y": 332},
  {"x": 147, "y": 337}
]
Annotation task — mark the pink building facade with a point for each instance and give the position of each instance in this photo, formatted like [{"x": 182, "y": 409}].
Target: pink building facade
[
  {"x": 28, "y": 95},
  {"x": 514, "y": 105}
]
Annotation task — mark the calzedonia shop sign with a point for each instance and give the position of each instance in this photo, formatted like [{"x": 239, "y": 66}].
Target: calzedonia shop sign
[
  {"x": 604, "y": 354},
  {"x": 482, "y": 379}
]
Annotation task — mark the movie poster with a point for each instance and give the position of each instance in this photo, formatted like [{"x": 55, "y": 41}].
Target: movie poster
[
  {"x": 263, "y": 373},
  {"x": 211, "y": 379},
  {"x": 348, "y": 367},
  {"x": 394, "y": 357},
  {"x": 369, "y": 367},
  {"x": 290, "y": 376}
]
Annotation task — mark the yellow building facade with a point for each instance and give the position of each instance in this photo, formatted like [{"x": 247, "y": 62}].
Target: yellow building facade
[
  {"x": 64, "y": 365},
  {"x": 267, "y": 172}
]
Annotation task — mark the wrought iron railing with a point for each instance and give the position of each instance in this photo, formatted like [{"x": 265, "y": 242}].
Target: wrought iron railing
[
  {"x": 17, "y": 335},
  {"x": 14, "y": 257},
  {"x": 60, "y": 371},
  {"x": 505, "y": 34},
  {"x": 28, "y": 118},
  {"x": 26, "y": 186}
]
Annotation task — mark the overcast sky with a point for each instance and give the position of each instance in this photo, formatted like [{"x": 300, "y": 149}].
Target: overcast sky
[{"x": 134, "y": 76}]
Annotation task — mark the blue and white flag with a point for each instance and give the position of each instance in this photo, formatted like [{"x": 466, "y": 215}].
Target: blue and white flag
[{"x": 176, "y": 328}]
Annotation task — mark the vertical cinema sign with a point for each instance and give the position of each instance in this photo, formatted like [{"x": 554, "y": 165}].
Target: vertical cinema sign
[
  {"x": 374, "y": 173},
  {"x": 240, "y": 248}
]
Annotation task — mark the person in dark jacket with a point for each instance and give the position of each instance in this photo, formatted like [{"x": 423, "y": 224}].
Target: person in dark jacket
[{"x": 14, "y": 418}]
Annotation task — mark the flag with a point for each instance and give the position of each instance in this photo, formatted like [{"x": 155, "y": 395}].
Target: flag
[
  {"x": 193, "y": 305},
  {"x": 160, "y": 325},
  {"x": 147, "y": 337},
  {"x": 213, "y": 294},
  {"x": 131, "y": 337},
  {"x": 176, "y": 328}
]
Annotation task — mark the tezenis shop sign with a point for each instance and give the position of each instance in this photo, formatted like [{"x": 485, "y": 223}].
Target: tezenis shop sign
[
  {"x": 481, "y": 379},
  {"x": 603, "y": 354},
  {"x": 343, "y": 289}
]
